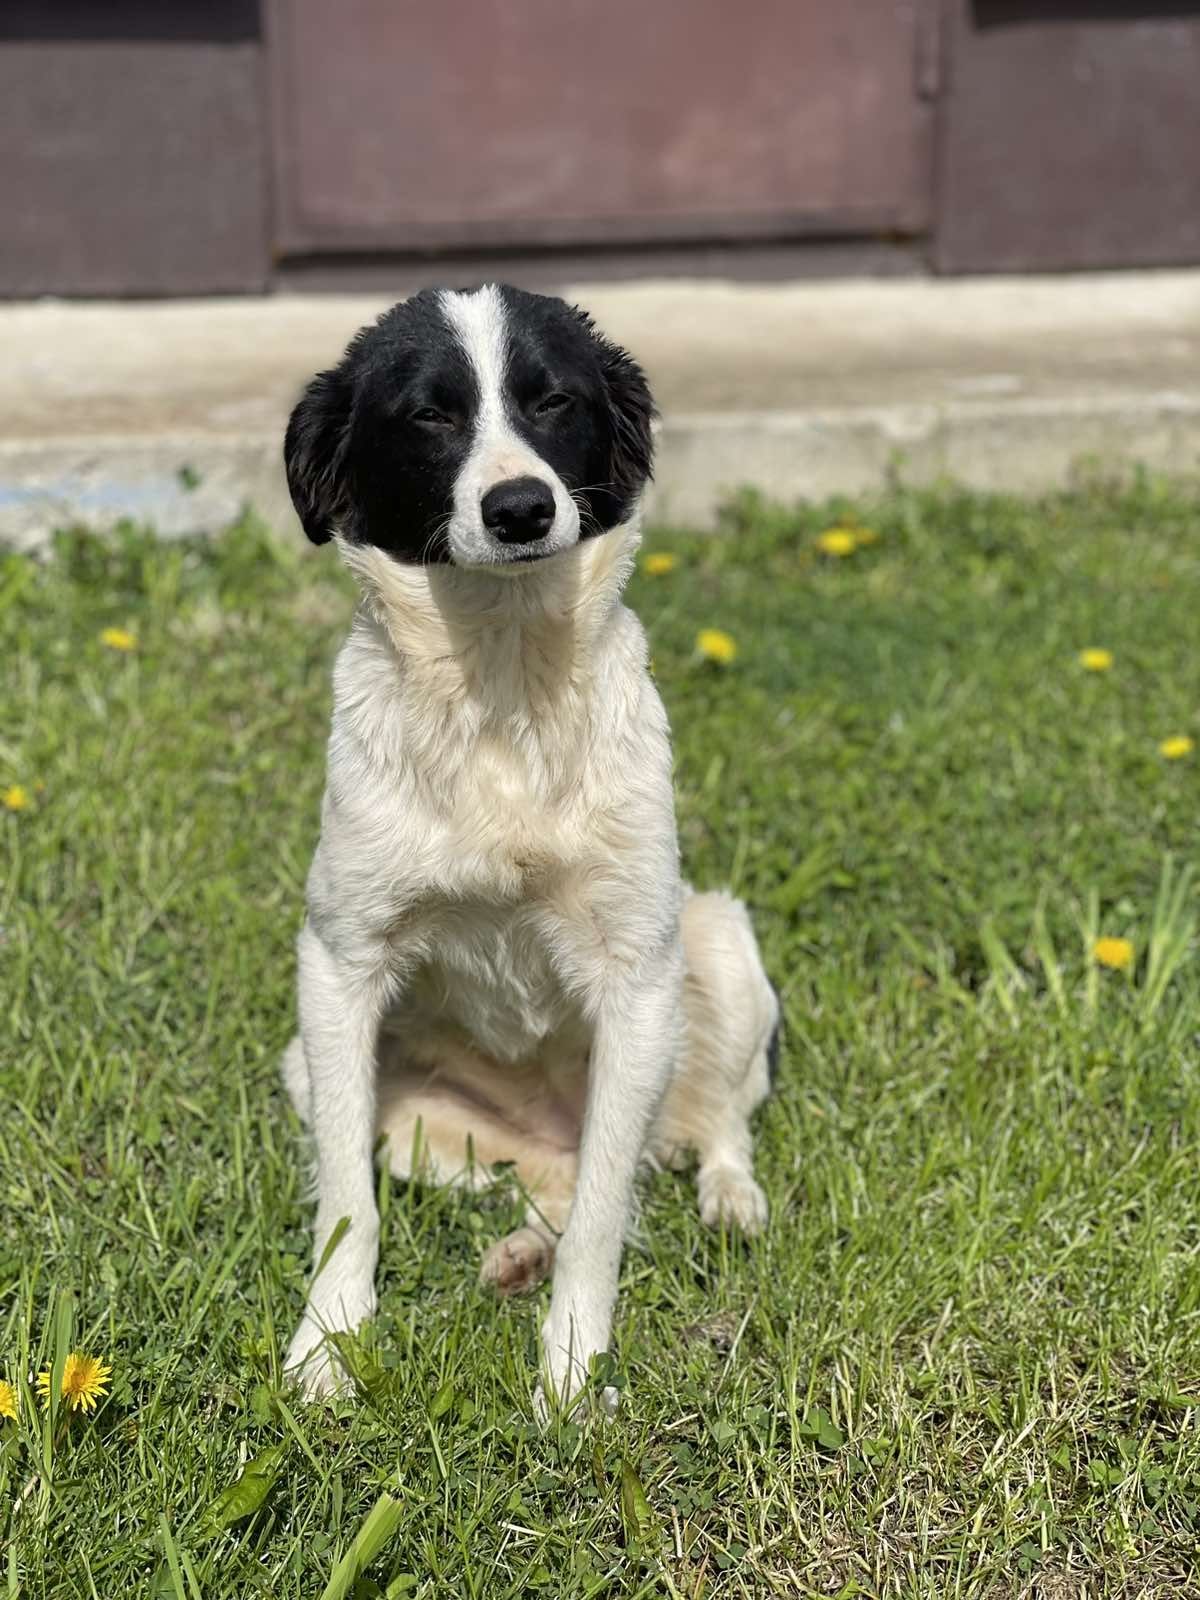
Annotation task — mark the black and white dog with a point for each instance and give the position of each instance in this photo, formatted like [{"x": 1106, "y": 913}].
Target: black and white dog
[{"x": 499, "y": 961}]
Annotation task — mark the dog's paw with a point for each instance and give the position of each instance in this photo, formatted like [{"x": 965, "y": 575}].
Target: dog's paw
[
  {"x": 321, "y": 1377},
  {"x": 569, "y": 1348},
  {"x": 518, "y": 1263},
  {"x": 731, "y": 1195},
  {"x": 312, "y": 1363},
  {"x": 605, "y": 1401}
]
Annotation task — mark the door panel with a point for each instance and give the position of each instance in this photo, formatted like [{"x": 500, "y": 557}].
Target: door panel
[
  {"x": 1070, "y": 135},
  {"x": 132, "y": 147},
  {"x": 418, "y": 123}
]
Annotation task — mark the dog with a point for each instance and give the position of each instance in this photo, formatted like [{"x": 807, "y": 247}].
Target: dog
[{"x": 499, "y": 961}]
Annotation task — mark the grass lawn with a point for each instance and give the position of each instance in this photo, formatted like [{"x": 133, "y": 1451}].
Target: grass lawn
[{"x": 965, "y": 1357}]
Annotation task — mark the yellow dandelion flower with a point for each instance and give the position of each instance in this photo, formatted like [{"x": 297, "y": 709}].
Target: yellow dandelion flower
[
  {"x": 658, "y": 563},
  {"x": 838, "y": 541},
  {"x": 714, "y": 645},
  {"x": 1176, "y": 748},
  {"x": 1095, "y": 660},
  {"x": 8, "y": 1400},
  {"x": 1116, "y": 953},
  {"x": 84, "y": 1381},
  {"x": 118, "y": 638},
  {"x": 15, "y": 797}
]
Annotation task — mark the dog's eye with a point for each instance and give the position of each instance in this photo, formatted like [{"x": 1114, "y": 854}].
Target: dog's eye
[
  {"x": 552, "y": 404},
  {"x": 430, "y": 417}
]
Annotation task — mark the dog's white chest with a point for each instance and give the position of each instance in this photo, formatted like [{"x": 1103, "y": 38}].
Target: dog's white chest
[
  {"x": 512, "y": 822},
  {"x": 477, "y": 921},
  {"x": 490, "y": 971}
]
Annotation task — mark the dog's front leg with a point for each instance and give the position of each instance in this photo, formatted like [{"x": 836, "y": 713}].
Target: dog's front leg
[
  {"x": 633, "y": 1054},
  {"x": 341, "y": 1004}
]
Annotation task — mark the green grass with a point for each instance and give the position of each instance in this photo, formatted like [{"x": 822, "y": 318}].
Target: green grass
[{"x": 965, "y": 1357}]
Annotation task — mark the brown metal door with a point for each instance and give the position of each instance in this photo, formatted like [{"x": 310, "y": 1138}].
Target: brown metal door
[
  {"x": 132, "y": 147},
  {"x": 414, "y": 124},
  {"x": 1070, "y": 135}
]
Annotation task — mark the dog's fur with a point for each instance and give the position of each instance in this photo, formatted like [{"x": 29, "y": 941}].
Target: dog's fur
[{"x": 499, "y": 962}]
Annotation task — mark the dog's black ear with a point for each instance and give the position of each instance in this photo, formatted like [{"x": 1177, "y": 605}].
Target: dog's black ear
[
  {"x": 631, "y": 410},
  {"x": 314, "y": 454}
]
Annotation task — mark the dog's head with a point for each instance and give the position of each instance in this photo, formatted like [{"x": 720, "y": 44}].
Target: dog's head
[{"x": 485, "y": 428}]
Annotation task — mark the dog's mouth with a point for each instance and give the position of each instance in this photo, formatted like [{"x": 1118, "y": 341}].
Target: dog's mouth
[
  {"x": 471, "y": 544},
  {"x": 509, "y": 556},
  {"x": 524, "y": 557}
]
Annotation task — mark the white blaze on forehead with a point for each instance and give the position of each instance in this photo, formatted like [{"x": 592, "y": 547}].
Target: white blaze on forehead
[{"x": 479, "y": 321}]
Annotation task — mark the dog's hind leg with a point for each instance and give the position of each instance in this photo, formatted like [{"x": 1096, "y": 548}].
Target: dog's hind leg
[
  {"x": 731, "y": 1021},
  {"x": 525, "y": 1258},
  {"x": 436, "y": 1131}
]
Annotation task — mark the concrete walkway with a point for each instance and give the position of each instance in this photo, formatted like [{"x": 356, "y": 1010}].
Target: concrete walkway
[{"x": 173, "y": 412}]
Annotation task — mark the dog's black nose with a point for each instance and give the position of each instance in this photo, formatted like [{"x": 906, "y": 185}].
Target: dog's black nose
[{"x": 519, "y": 510}]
